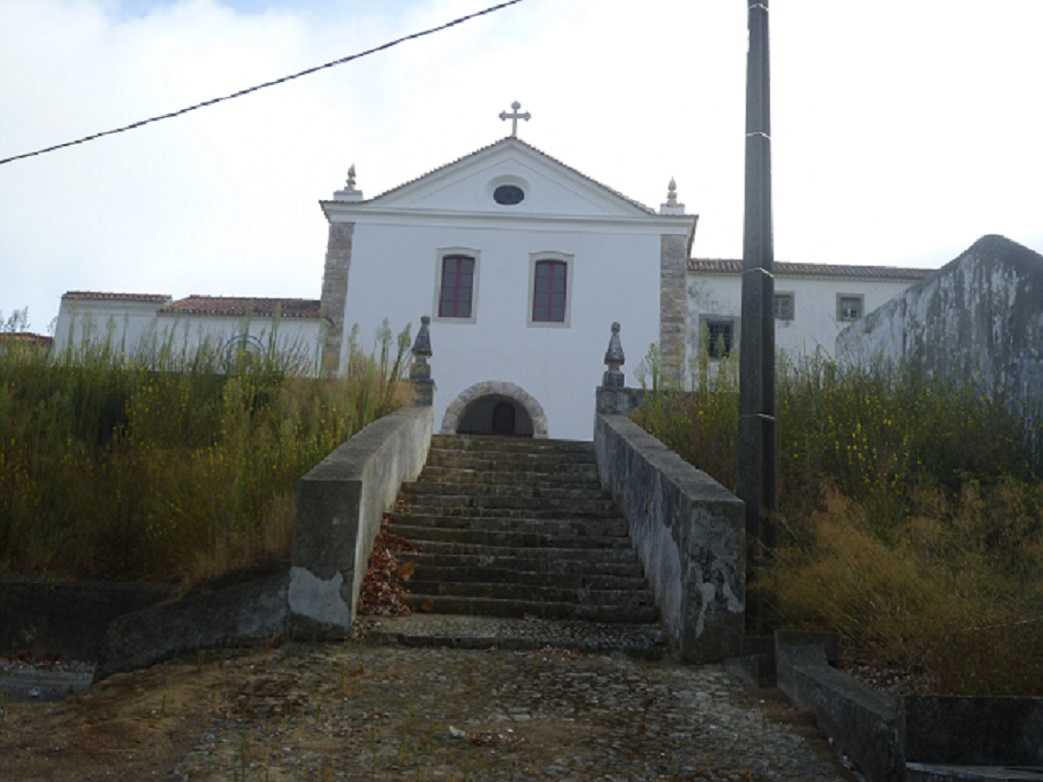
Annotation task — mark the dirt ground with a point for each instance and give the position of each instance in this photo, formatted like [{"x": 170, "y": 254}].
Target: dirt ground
[{"x": 351, "y": 711}]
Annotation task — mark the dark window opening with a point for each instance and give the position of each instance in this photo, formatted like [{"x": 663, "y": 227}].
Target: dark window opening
[
  {"x": 850, "y": 307},
  {"x": 508, "y": 195},
  {"x": 719, "y": 338}
]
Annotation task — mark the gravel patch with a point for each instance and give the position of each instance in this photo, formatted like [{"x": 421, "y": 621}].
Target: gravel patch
[
  {"x": 356, "y": 711},
  {"x": 362, "y": 712}
]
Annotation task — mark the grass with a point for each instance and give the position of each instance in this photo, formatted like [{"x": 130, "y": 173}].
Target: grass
[
  {"x": 910, "y": 515},
  {"x": 172, "y": 464}
]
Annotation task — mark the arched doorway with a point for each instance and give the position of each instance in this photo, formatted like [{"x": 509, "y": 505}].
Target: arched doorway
[
  {"x": 505, "y": 420},
  {"x": 495, "y": 414},
  {"x": 495, "y": 408}
]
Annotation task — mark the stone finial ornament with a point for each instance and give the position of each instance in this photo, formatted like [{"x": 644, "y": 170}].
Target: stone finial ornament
[
  {"x": 614, "y": 359},
  {"x": 422, "y": 343},
  {"x": 350, "y": 192},
  {"x": 672, "y": 206},
  {"x": 420, "y": 370}
]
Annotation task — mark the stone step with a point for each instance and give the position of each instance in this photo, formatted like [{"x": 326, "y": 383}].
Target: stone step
[
  {"x": 552, "y": 511},
  {"x": 548, "y": 560},
  {"x": 643, "y": 641},
  {"x": 519, "y": 528},
  {"x": 581, "y": 473},
  {"x": 499, "y": 590},
  {"x": 535, "y": 464},
  {"x": 581, "y": 563},
  {"x": 616, "y": 527},
  {"x": 519, "y": 491},
  {"x": 481, "y": 606},
  {"x": 510, "y": 539},
  {"x": 569, "y": 579},
  {"x": 478, "y": 443}
]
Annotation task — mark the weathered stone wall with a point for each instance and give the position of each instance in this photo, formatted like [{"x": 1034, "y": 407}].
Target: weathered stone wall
[
  {"x": 862, "y": 722},
  {"x": 335, "y": 293},
  {"x": 689, "y": 532},
  {"x": 978, "y": 319},
  {"x": 998, "y": 731},
  {"x": 673, "y": 306},
  {"x": 340, "y": 504},
  {"x": 40, "y": 616}
]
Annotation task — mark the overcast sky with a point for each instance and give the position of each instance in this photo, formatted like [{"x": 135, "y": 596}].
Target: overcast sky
[{"x": 903, "y": 130}]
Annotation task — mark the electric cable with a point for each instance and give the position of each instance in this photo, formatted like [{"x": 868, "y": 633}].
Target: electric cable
[{"x": 281, "y": 80}]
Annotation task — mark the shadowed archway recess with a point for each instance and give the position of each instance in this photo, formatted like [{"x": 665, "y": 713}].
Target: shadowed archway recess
[{"x": 455, "y": 411}]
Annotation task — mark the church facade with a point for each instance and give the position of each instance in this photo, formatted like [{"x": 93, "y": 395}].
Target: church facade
[{"x": 522, "y": 264}]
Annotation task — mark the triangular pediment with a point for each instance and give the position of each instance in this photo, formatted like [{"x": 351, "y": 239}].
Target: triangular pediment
[{"x": 509, "y": 178}]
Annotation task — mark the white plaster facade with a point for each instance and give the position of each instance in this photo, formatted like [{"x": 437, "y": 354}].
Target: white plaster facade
[
  {"x": 138, "y": 324},
  {"x": 612, "y": 249},
  {"x": 123, "y": 318},
  {"x": 816, "y": 294}
]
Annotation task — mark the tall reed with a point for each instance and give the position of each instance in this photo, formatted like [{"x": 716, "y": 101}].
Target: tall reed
[
  {"x": 172, "y": 463},
  {"x": 910, "y": 513}
]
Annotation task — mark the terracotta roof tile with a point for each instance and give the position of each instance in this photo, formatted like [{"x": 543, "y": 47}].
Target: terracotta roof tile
[
  {"x": 27, "y": 337},
  {"x": 241, "y": 306},
  {"x": 158, "y": 298},
  {"x": 784, "y": 269}
]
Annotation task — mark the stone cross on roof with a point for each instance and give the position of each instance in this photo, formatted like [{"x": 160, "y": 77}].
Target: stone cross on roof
[{"x": 514, "y": 116}]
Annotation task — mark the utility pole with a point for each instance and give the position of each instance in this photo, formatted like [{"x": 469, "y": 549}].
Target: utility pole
[{"x": 758, "y": 435}]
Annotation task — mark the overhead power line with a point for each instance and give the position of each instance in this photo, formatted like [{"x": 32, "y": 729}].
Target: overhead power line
[{"x": 248, "y": 90}]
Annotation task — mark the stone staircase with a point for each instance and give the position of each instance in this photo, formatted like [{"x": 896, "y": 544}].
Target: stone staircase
[{"x": 518, "y": 531}]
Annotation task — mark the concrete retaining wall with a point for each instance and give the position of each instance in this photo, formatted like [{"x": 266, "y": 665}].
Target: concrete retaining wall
[
  {"x": 689, "y": 534},
  {"x": 864, "y": 723},
  {"x": 973, "y": 731},
  {"x": 40, "y": 617},
  {"x": 250, "y": 609},
  {"x": 340, "y": 504}
]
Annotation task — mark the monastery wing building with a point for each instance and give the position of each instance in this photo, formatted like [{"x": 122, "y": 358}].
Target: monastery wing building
[{"x": 522, "y": 263}]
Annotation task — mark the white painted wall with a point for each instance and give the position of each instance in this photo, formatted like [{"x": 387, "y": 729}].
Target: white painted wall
[
  {"x": 122, "y": 322},
  {"x": 814, "y": 327},
  {"x": 133, "y": 326},
  {"x": 615, "y": 276},
  {"x": 296, "y": 337},
  {"x": 612, "y": 243}
]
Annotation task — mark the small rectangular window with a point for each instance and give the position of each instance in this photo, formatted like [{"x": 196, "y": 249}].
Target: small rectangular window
[
  {"x": 783, "y": 306},
  {"x": 720, "y": 337},
  {"x": 549, "y": 292},
  {"x": 850, "y": 306},
  {"x": 457, "y": 289}
]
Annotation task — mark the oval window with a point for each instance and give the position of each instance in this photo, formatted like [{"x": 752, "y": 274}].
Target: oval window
[{"x": 508, "y": 195}]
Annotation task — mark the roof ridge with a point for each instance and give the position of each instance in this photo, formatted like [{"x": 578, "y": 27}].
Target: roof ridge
[
  {"x": 242, "y": 306},
  {"x": 113, "y": 296},
  {"x": 800, "y": 268},
  {"x": 504, "y": 141}
]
